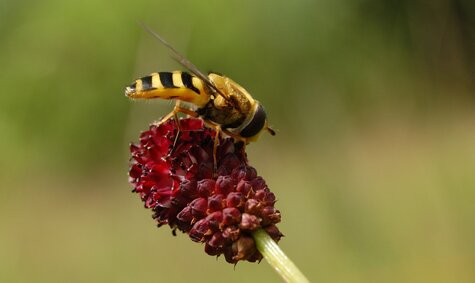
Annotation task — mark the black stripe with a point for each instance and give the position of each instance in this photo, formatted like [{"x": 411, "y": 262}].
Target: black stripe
[
  {"x": 133, "y": 86},
  {"x": 147, "y": 83},
  {"x": 188, "y": 82},
  {"x": 256, "y": 124},
  {"x": 167, "y": 79}
]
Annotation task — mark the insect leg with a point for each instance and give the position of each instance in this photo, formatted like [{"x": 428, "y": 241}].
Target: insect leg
[
  {"x": 179, "y": 109},
  {"x": 217, "y": 128},
  {"x": 218, "y": 131},
  {"x": 186, "y": 111},
  {"x": 235, "y": 137},
  {"x": 165, "y": 118},
  {"x": 174, "y": 113},
  {"x": 215, "y": 147}
]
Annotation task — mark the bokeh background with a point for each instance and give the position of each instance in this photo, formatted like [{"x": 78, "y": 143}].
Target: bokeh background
[{"x": 373, "y": 164}]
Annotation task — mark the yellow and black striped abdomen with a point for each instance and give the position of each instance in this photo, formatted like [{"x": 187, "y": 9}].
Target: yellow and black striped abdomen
[{"x": 170, "y": 85}]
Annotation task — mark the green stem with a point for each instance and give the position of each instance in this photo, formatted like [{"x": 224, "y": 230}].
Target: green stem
[{"x": 277, "y": 259}]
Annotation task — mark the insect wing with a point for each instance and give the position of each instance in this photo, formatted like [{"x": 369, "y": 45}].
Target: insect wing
[{"x": 185, "y": 62}]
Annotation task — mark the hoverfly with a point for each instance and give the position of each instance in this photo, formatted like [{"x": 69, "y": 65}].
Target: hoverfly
[{"x": 219, "y": 101}]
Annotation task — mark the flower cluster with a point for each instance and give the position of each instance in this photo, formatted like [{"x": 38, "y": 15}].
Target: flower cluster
[{"x": 216, "y": 204}]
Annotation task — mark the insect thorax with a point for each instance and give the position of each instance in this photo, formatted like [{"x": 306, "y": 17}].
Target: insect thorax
[
  {"x": 232, "y": 108},
  {"x": 224, "y": 115}
]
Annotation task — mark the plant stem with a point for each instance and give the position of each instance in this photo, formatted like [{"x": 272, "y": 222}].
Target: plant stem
[{"x": 277, "y": 259}]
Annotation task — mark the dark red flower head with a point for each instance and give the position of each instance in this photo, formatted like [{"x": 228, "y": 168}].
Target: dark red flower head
[{"x": 175, "y": 177}]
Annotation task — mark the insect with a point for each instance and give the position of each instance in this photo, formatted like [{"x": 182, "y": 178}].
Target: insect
[{"x": 218, "y": 100}]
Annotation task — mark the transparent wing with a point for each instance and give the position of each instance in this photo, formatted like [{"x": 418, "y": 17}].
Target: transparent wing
[{"x": 184, "y": 62}]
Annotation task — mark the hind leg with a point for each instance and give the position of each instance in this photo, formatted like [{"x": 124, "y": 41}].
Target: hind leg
[{"x": 174, "y": 113}]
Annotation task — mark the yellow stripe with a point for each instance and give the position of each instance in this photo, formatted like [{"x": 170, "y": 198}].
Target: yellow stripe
[
  {"x": 177, "y": 81},
  {"x": 198, "y": 83},
  {"x": 138, "y": 85},
  {"x": 156, "y": 83}
]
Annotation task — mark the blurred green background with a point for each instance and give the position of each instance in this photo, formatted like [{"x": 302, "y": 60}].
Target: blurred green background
[{"x": 373, "y": 164}]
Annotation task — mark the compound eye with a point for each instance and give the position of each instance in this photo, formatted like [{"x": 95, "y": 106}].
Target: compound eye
[{"x": 256, "y": 124}]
